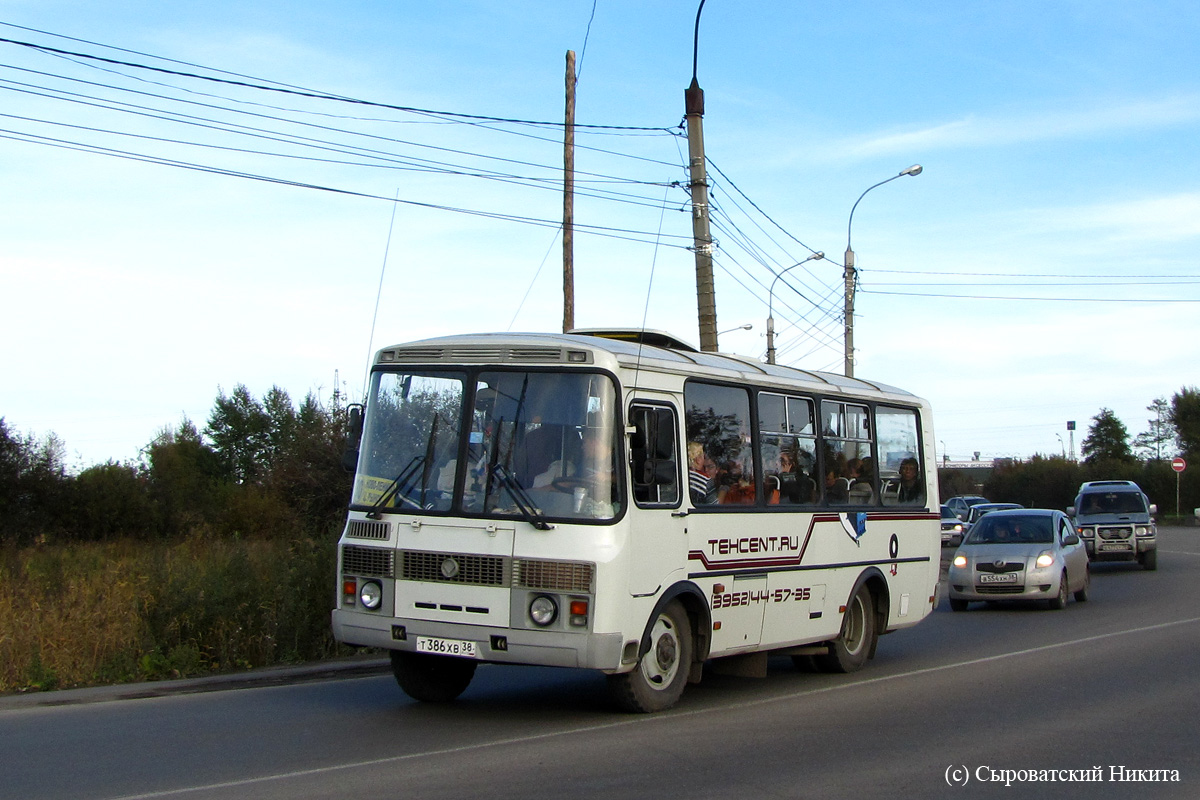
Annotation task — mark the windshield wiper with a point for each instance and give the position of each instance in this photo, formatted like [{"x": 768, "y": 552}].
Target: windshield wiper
[
  {"x": 529, "y": 509},
  {"x": 394, "y": 487}
]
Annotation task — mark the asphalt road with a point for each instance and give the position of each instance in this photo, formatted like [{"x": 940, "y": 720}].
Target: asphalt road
[{"x": 961, "y": 699}]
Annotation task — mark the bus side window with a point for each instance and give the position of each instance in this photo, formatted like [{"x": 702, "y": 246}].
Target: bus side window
[
  {"x": 718, "y": 418},
  {"x": 654, "y": 456},
  {"x": 900, "y": 456}
]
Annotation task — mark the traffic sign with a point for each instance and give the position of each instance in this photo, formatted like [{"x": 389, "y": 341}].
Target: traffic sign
[{"x": 1178, "y": 464}]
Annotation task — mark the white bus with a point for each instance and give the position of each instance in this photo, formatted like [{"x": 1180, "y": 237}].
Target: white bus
[{"x": 619, "y": 501}]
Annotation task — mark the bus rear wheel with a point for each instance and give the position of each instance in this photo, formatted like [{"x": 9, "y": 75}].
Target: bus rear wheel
[
  {"x": 661, "y": 674},
  {"x": 431, "y": 678},
  {"x": 850, "y": 651}
]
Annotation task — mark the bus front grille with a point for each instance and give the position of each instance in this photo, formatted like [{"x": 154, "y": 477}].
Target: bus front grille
[
  {"x": 563, "y": 576},
  {"x": 374, "y": 561},
  {"x": 452, "y": 568}
]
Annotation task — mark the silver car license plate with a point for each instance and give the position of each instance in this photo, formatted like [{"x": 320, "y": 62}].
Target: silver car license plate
[
  {"x": 446, "y": 647},
  {"x": 999, "y": 577},
  {"x": 1117, "y": 546}
]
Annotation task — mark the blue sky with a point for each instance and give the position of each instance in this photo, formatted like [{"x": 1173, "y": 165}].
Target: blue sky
[{"x": 1042, "y": 267}]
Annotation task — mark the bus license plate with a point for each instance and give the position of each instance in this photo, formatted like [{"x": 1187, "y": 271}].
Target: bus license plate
[
  {"x": 446, "y": 647},
  {"x": 1000, "y": 577}
]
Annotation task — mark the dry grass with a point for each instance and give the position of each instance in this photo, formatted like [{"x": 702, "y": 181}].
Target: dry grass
[{"x": 87, "y": 614}]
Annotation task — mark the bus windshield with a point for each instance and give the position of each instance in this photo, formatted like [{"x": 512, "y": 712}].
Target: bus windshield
[{"x": 494, "y": 443}]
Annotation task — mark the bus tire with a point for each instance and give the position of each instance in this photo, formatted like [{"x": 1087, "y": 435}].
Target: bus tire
[
  {"x": 854, "y": 645},
  {"x": 658, "y": 680},
  {"x": 431, "y": 678}
]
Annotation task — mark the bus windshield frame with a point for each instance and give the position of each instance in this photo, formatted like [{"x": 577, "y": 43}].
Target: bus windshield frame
[{"x": 492, "y": 443}]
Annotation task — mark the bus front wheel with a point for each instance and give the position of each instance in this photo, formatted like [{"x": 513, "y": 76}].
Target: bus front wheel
[
  {"x": 431, "y": 678},
  {"x": 850, "y": 651},
  {"x": 659, "y": 678}
]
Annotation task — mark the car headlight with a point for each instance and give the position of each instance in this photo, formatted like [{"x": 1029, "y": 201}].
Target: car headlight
[
  {"x": 960, "y": 561},
  {"x": 1143, "y": 531},
  {"x": 370, "y": 594},
  {"x": 1086, "y": 533},
  {"x": 1045, "y": 559},
  {"x": 543, "y": 610}
]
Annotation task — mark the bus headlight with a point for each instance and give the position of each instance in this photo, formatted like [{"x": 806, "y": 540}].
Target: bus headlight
[
  {"x": 543, "y": 610},
  {"x": 371, "y": 595}
]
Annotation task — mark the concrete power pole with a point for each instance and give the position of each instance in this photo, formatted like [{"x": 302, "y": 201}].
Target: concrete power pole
[
  {"x": 568, "y": 238},
  {"x": 706, "y": 300}
]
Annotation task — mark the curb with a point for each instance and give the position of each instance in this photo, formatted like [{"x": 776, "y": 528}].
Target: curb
[{"x": 272, "y": 676}]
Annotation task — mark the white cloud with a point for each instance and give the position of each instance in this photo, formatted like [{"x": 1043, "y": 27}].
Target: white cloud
[
  {"x": 1166, "y": 218},
  {"x": 973, "y": 131}
]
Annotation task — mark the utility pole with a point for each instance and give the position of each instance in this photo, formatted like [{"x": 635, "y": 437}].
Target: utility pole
[
  {"x": 851, "y": 276},
  {"x": 706, "y": 300},
  {"x": 568, "y": 233}
]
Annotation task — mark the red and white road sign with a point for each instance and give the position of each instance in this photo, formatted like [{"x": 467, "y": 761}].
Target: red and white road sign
[{"x": 1178, "y": 464}]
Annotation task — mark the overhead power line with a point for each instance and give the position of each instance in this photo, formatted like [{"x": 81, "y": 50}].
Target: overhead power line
[
  {"x": 1023, "y": 298},
  {"x": 283, "y": 89}
]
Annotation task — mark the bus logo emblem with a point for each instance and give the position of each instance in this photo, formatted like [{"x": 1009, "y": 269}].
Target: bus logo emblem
[{"x": 450, "y": 569}]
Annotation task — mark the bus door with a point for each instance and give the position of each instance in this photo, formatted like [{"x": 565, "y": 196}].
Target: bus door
[
  {"x": 721, "y": 547},
  {"x": 657, "y": 546}
]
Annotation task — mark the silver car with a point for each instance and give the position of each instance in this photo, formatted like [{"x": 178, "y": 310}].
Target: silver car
[{"x": 1020, "y": 554}]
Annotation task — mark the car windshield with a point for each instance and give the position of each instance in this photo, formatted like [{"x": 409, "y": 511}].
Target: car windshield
[
  {"x": 1011, "y": 529},
  {"x": 1112, "y": 503},
  {"x": 948, "y": 513}
]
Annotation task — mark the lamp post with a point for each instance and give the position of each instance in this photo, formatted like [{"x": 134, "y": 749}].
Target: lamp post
[
  {"x": 771, "y": 305},
  {"x": 706, "y": 299},
  {"x": 850, "y": 273}
]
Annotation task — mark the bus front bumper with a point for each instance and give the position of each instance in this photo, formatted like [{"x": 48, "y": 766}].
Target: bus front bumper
[{"x": 499, "y": 645}]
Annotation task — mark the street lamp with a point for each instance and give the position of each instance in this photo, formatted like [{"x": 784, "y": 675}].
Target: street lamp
[
  {"x": 771, "y": 302},
  {"x": 746, "y": 327},
  {"x": 850, "y": 275}
]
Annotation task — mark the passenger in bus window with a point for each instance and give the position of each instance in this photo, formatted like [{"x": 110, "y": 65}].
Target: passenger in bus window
[
  {"x": 790, "y": 485},
  {"x": 836, "y": 489},
  {"x": 735, "y": 485},
  {"x": 700, "y": 484},
  {"x": 862, "y": 488},
  {"x": 839, "y": 491},
  {"x": 912, "y": 488}
]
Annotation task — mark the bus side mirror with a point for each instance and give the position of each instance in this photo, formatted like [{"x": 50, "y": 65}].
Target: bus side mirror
[{"x": 353, "y": 437}]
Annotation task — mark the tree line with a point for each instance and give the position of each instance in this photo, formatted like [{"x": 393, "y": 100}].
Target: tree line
[
  {"x": 271, "y": 468},
  {"x": 260, "y": 468},
  {"x": 1107, "y": 452}
]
